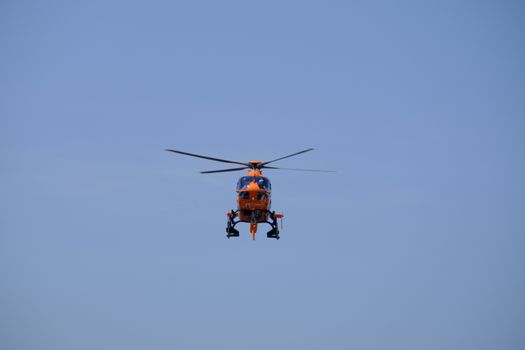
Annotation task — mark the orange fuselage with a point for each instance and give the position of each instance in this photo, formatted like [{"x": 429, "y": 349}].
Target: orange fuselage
[{"x": 253, "y": 195}]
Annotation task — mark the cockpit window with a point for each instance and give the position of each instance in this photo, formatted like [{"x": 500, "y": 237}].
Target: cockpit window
[
  {"x": 243, "y": 182},
  {"x": 263, "y": 182}
]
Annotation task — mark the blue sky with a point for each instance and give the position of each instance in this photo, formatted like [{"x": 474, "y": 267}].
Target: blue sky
[{"x": 109, "y": 242}]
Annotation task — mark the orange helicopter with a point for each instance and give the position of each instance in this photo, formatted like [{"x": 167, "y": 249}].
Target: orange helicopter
[{"x": 253, "y": 194}]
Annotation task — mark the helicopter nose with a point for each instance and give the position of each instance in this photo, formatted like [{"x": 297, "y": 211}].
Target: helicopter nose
[
  {"x": 251, "y": 192},
  {"x": 253, "y": 187}
]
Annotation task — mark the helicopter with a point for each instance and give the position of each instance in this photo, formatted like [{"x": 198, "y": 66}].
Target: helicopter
[{"x": 253, "y": 194}]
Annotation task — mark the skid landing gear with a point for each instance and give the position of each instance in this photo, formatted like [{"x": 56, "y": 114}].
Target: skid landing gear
[
  {"x": 272, "y": 221},
  {"x": 274, "y": 232},
  {"x": 231, "y": 232},
  {"x": 230, "y": 229}
]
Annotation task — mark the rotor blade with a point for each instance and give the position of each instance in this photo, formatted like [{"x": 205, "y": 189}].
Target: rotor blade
[
  {"x": 295, "y": 169},
  {"x": 206, "y": 157},
  {"x": 223, "y": 170},
  {"x": 288, "y": 156}
]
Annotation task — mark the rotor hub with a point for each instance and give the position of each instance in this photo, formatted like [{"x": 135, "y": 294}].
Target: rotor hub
[{"x": 255, "y": 164}]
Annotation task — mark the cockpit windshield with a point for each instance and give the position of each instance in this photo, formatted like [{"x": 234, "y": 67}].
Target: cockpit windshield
[{"x": 263, "y": 182}]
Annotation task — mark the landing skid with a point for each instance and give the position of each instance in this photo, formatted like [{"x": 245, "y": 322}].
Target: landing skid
[{"x": 273, "y": 233}]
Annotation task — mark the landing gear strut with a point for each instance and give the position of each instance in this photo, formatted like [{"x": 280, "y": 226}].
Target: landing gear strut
[
  {"x": 274, "y": 232},
  {"x": 272, "y": 221},
  {"x": 230, "y": 224}
]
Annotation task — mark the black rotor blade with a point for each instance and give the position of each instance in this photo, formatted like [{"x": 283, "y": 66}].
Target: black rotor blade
[
  {"x": 206, "y": 157},
  {"x": 295, "y": 169},
  {"x": 223, "y": 170},
  {"x": 288, "y": 156}
]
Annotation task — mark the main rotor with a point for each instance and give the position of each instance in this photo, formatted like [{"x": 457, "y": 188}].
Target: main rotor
[{"x": 253, "y": 164}]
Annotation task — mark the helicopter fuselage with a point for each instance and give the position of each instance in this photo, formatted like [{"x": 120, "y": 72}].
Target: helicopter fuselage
[{"x": 253, "y": 197}]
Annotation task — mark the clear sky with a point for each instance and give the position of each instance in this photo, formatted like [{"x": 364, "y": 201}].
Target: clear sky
[{"x": 108, "y": 242}]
